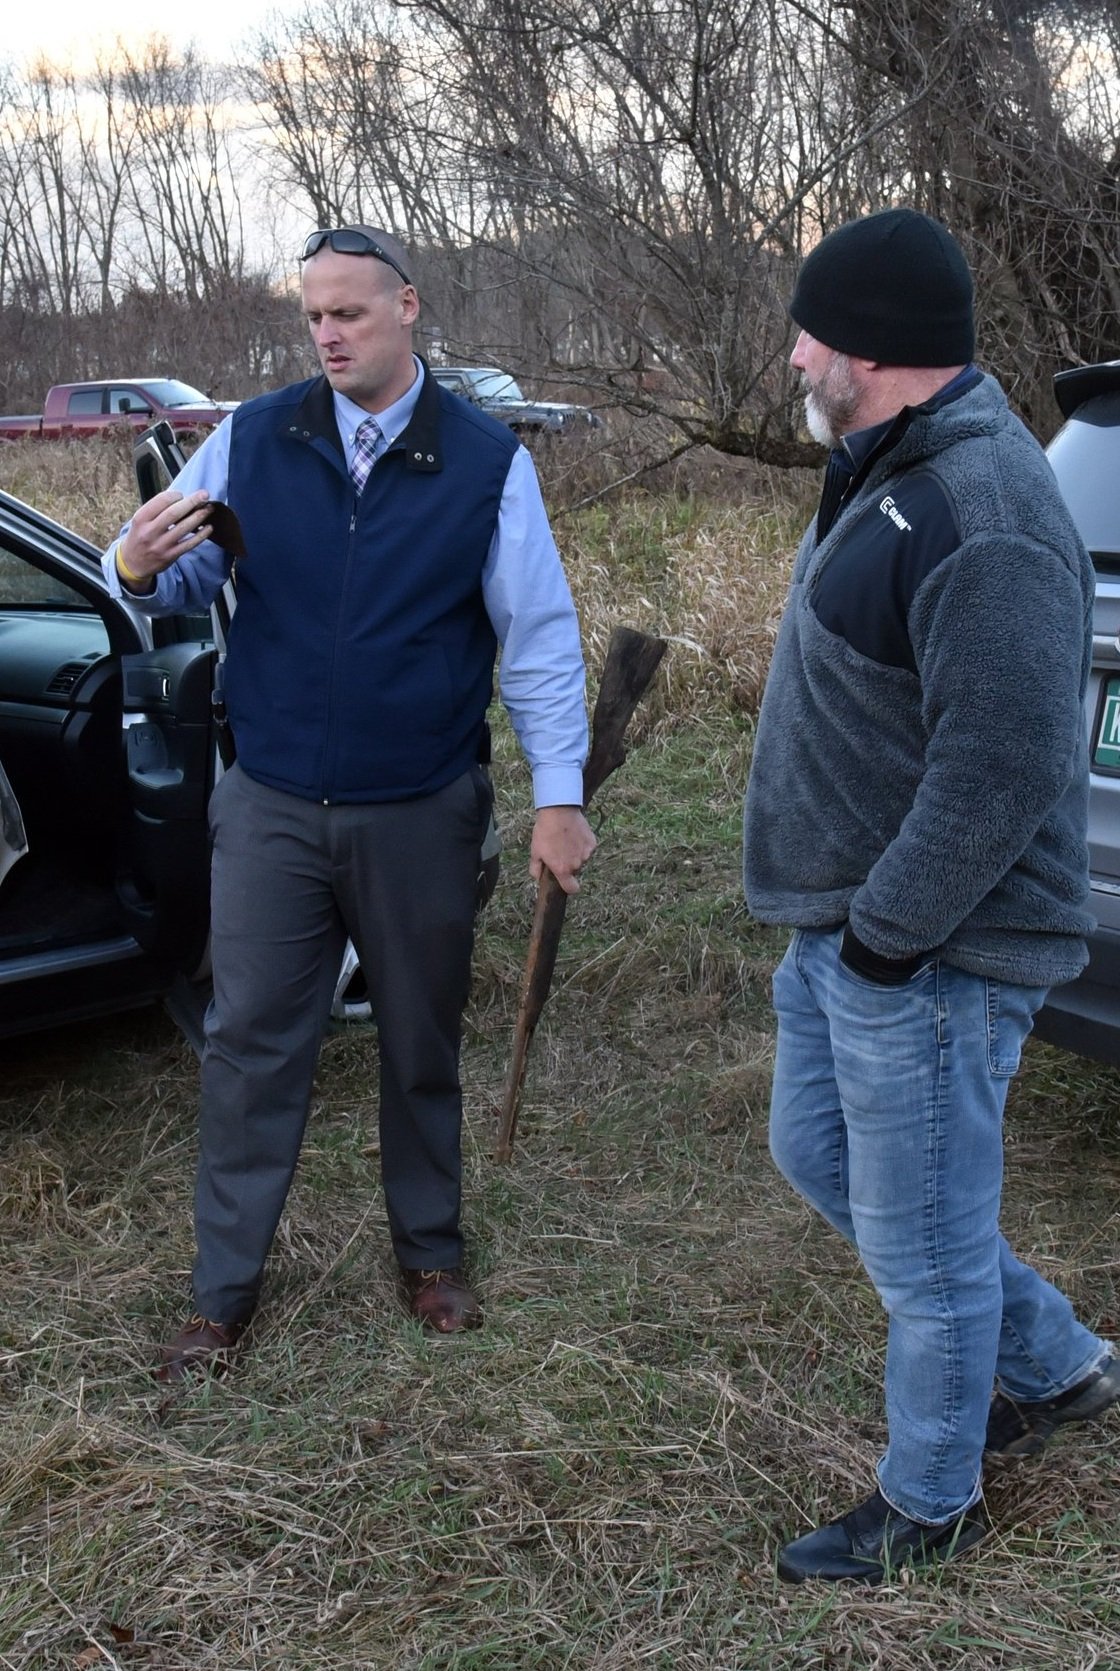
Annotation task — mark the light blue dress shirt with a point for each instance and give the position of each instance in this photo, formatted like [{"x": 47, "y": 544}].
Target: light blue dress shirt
[{"x": 524, "y": 589}]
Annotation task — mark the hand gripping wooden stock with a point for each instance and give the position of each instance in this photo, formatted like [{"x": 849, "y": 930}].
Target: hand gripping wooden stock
[{"x": 632, "y": 660}]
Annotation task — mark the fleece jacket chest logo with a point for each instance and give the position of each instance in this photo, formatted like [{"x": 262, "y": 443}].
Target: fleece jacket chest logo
[
  {"x": 864, "y": 588},
  {"x": 889, "y": 508}
]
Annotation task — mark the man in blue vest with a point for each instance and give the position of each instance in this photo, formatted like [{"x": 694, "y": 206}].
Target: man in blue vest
[{"x": 394, "y": 537}]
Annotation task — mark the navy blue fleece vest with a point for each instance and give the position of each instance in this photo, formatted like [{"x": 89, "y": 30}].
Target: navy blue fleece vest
[{"x": 361, "y": 657}]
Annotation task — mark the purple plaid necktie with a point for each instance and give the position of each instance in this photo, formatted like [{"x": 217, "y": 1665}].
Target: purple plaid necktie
[{"x": 366, "y": 441}]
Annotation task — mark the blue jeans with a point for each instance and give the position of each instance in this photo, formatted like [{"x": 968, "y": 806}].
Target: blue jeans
[{"x": 886, "y": 1116}]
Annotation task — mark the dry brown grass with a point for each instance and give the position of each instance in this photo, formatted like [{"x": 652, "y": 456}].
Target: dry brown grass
[
  {"x": 85, "y": 485},
  {"x": 680, "y": 1366}
]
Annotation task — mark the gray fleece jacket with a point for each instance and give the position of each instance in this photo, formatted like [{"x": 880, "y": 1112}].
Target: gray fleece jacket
[{"x": 920, "y": 770}]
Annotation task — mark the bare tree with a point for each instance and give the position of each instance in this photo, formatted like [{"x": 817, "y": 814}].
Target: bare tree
[
  {"x": 651, "y": 173},
  {"x": 185, "y": 199},
  {"x": 355, "y": 123},
  {"x": 1013, "y": 137},
  {"x": 44, "y": 189},
  {"x": 122, "y": 243},
  {"x": 137, "y": 158},
  {"x": 106, "y": 148},
  {"x": 611, "y": 195}
]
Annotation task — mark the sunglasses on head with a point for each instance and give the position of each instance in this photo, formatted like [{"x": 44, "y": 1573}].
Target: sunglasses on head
[{"x": 345, "y": 241}]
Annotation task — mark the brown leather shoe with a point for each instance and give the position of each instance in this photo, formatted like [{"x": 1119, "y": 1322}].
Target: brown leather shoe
[
  {"x": 441, "y": 1300},
  {"x": 200, "y": 1345}
]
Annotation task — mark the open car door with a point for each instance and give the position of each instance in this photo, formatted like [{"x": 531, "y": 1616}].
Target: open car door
[
  {"x": 181, "y": 738},
  {"x": 171, "y": 758},
  {"x": 112, "y": 893}
]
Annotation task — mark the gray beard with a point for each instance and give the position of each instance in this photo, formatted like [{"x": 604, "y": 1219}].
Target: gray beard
[{"x": 816, "y": 422}]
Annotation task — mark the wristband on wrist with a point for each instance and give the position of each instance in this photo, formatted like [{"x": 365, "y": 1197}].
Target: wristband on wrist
[{"x": 126, "y": 573}]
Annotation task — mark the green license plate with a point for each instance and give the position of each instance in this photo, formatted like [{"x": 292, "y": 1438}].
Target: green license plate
[{"x": 1106, "y": 751}]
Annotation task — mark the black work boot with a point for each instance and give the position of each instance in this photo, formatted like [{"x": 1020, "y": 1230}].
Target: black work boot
[
  {"x": 1016, "y": 1428},
  {"x": 872, "y": 1541}
]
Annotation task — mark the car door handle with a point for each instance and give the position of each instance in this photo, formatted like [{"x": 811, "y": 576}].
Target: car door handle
[{"x": 147, "y": 684}]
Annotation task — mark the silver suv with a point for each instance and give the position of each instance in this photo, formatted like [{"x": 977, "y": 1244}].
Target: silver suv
[{"x": 1085, "y": 1015}]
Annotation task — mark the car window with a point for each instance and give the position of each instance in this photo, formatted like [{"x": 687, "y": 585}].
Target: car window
[
  {"x": 496, "y": 385},
  {"x": 23, "y": 587},
  {"x": 84, "y": 401},
  {"x": 1083, "y": 457},
  {"x": 170, "y": 392},
  {"x": 127, "y": 400}
]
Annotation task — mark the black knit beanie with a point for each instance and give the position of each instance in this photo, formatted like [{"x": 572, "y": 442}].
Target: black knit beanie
[{"x": 893, "y": 287}]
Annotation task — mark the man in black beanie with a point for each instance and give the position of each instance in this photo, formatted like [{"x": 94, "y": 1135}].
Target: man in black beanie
[{"x": 916, "y": 812}]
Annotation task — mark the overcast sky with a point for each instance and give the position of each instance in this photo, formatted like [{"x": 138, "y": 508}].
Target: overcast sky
[{"x": 61, "y": 29}]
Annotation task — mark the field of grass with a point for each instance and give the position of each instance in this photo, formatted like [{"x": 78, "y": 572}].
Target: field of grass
[{"x": 680, "y": 1367}]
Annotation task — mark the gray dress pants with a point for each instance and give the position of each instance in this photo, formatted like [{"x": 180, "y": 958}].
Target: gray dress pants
[{"x": 291, "y": 878}]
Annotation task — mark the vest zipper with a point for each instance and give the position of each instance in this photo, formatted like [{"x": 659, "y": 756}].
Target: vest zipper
[{"x": 329, "y": 761}]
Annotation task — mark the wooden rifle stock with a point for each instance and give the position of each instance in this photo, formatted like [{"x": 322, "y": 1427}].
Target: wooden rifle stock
[{"x": 632, "y": 660}]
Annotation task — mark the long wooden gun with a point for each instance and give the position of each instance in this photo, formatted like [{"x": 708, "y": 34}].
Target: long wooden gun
[{"x": 632, "y": 660}]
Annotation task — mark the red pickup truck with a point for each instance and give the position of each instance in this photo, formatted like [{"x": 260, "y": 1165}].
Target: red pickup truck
[{"x": 76, "y": 409}]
